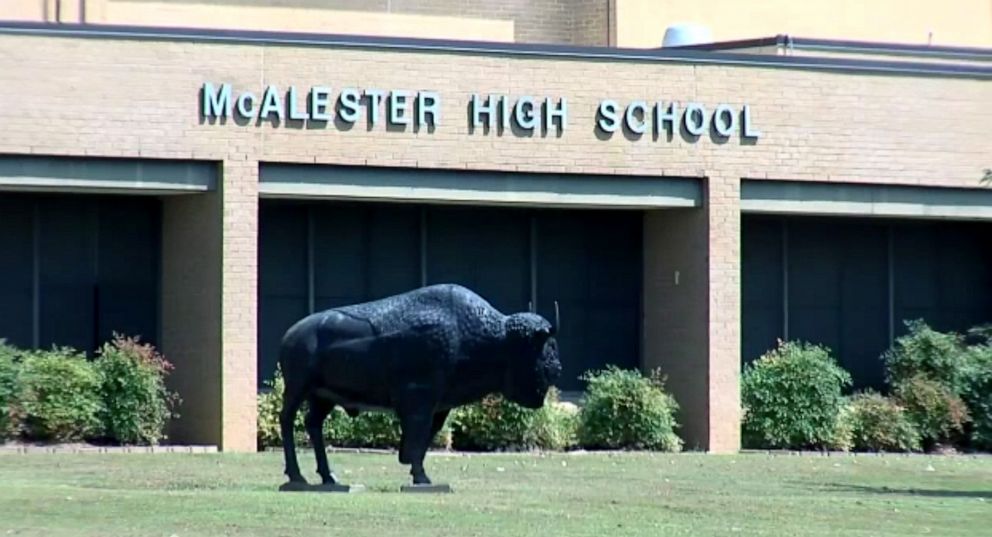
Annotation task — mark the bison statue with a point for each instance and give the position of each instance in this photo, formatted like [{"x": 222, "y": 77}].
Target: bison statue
[{"x": 419, "y": 354}]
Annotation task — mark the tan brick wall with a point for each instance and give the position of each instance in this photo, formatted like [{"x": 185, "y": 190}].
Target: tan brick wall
[
  {"x": 191, "y": 306},
  {"x": 676, "y": 314},
  {"x": 140, "y": 98},
  {"x": 590, "y": 23}
]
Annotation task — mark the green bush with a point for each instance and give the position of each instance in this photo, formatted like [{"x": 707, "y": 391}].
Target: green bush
[
  {"x": 938, "y": 413},
  {"x": 444, "y": 439},
  {"x": 925, "y": 352},
  {"x": 371, "y": 430},
  {"x": 792, "y": 397},
  {"x": 493, "y": 423},
  {"x": 136, "y": 403},
  {"x": 624, "y": 409},
  {"x": 555, "y": 425},
  {"x": 880, "y": 424},
  {"x": 842, "y": 438},
  {"x": 61, "y": 396},
  {"x": 269, "y": 405},
  {"x": 976, "y": 391},
  {"x": 10, "y": 391}
]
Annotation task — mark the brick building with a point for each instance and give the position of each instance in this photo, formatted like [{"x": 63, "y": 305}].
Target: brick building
[{"x": 204, "y": 188}]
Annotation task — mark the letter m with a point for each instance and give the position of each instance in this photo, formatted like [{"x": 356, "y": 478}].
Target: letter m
[{"x": 215, "y": 103}]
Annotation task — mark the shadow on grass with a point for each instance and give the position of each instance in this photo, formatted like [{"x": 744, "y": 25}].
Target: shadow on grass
[{"x": 987, "y": 494}]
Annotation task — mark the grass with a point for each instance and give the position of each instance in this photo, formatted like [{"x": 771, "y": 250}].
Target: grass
[{"x": 501, "y": 495}]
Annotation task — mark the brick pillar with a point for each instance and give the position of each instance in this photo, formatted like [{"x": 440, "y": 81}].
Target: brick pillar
[
  {"x": 209, "y": 308},
  {"x": 692, "y": 312},
  {"x": 240, "y": 305}
]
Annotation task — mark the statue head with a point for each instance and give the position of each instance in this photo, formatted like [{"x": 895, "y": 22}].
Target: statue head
[{"x": 534, "y": 365}]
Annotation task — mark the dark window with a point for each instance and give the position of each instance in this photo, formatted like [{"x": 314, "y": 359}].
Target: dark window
[
  {"x": 16, "y": 271},
  {"x": 86, "y": 266},
  {"x": 840, "y": 288}
]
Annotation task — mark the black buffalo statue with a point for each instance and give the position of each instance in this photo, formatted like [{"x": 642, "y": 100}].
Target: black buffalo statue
[{"x": 419, "y": 354}]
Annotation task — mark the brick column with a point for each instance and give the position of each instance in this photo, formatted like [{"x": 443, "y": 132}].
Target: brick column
[
  {"x": 209, "y": 245},
  {"x": 240, "y": 304},
  {"x": 724, "y": 219},
  {"x": 692, "y": 312}
]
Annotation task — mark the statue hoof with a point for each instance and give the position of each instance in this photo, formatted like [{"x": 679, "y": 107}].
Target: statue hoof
[{"x": 294, "y": 486}]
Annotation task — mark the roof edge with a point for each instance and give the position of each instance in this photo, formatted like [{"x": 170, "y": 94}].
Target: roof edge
[
  {"x": 680, "y": 55},
  {"x": 851, "y": 46}
]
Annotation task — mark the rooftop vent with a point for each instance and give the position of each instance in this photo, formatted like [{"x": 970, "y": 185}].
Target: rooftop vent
[{"x": 680, "y": 35}]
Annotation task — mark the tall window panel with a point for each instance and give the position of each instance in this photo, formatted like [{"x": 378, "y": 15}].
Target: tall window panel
[
  {"x": 67, "y": 256},
  {"x": 763, "y": 244},
  {"x": 590, "y": 262},
  {"x": 128, "y": 269},
  {"x": 943, "y": 274},
  {"x": 486, "y": 250},
  {"x": 16, "y": 270},
  {"x": 282, "y": 277}
]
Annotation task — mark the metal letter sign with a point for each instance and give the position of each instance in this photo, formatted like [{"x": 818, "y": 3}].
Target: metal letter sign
[{"x": 422, "y": 110}]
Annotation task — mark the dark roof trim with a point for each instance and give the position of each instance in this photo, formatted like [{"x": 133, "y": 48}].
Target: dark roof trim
[
  {"x": 736, "y": 44},
  {"x": 852, "y": 47},
  {"x": 670, "y": 55},
  {"x": 895, "y": 49}
]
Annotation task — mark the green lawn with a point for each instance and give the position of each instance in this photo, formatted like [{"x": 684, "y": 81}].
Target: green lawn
[{"x": 501, "y": 495}]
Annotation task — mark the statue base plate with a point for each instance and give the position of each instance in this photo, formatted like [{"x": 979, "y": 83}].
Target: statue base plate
[
  {"x": 306, "y": 487},
  {"x": 442, "y": 488}
]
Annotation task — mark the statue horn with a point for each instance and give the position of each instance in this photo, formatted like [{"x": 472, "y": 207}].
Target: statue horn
[{"x": 557, "y": 317}]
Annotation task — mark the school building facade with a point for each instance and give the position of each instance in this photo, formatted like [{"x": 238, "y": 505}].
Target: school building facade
[{"x": 686, "y": 207}]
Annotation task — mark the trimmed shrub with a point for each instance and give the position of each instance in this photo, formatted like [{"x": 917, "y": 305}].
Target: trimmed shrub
[
  {"x": 136, "y": 403},
  {"x": 444, "y": 438},
  {"x": 842, "y": 438},
  {"x": 493, "y": 423},
  {"x": 61, "y": 396},
  {"x": 792, "y": 397},
  {"x": 880, "y": 424},
  {"x": 925, "y": 352},
  {"x": 938, "y": 414},
  {"x": 337, "y": 429},
  {"x": 371, "y": 430},
  {"x": 10, "y": 391},
  {"x": 556, "y": 424},
  {"x": 624, "y": 409},
  {"x": 976, "y": 391}
]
